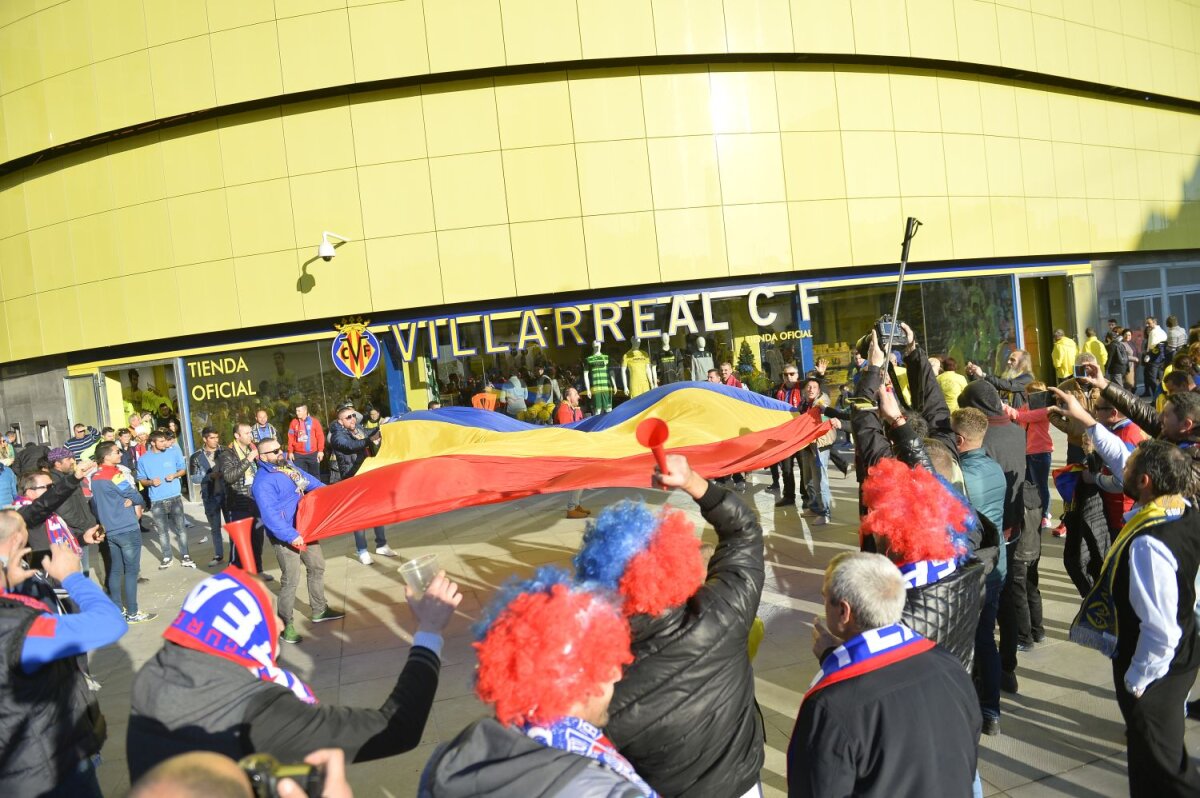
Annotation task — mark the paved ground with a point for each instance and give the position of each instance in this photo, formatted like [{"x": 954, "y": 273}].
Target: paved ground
[{"x": 1062, "y": 734}]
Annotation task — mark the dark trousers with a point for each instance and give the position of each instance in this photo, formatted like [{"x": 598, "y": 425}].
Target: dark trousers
[
  {"x": 987, "y": 658},
  {"x": 308, "y": 462},
  {"x": 1083, "y": 554},
  {"x": 1152, "y": 379},
  {"x": 788, "y": 468},
  {"x": 1154, "y": 726},
  {"x": 1037, "y": 471},
  {"x": 1009, "y": 612},
  {"x": 1026, "y": 609},
  {"x": 257, "y": 538}
]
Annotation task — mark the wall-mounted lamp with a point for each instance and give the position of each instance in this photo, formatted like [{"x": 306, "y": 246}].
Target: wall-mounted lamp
[{"x": 326, "y": 250}]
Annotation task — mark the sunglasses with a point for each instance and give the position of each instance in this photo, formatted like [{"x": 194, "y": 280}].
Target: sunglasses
[
  {"x": 268, "y": 451},
  {"x": 39, "y": 487}
]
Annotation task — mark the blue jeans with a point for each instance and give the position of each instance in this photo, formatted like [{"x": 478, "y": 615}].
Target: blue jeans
[
  {"x": 213, "y": 514},
  {"x": 126, "y": 551},
  {"x": 168, "y": 517},
  {"x": 816, "y": 469},
  {"x": 360, "y": 539},
  {"x": 987, "y": 656},
  {"x": 1037, "y": 471}
]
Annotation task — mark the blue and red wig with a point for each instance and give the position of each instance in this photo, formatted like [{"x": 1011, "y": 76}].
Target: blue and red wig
[
  {"x": 546, "y": 644},
  {"x": 651, "y": 559},
  {"x": 920, "y": 514}
]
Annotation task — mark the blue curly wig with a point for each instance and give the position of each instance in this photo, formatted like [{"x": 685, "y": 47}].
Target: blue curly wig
[
  {"x": 542, "y": 581},
  {"x": 961, "y": 538},
  {"x": 617, "y": 534}
]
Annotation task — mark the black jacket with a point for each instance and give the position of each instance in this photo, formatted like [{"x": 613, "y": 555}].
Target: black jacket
[
  {"x": 75, "y": 510},
  {"x": 184, "y": 700},
  {"x": 1146, "y": 417},
  {"x": 1004, "y": 443},
  {"x": 684, "y": 713},
  {"x": 910, "y": 728},
  {"x": 490, "y": 759},
  {"x": 35, "y": 514},
  {"x": 1118, "y": 361},
  {"x": 239, "y": 499},
  {"x": 1014, "y": 386},
  {"x": 350, "y": 451},
  {"x": 947, "y": 611}
]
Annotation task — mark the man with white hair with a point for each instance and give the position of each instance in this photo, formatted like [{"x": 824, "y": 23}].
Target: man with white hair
[{"x": 889, "y": 712}]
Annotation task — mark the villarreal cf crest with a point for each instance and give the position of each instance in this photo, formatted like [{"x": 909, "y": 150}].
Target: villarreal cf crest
[{"x": 355, "y": 349}]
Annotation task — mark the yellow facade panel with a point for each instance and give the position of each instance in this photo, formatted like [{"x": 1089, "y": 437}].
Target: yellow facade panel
[
  {"x": 252, "y": 147},
  {"x": 864, "y": 98},
  {"x": 690, "y": 26},
  {"x": 65, "y": 331},
  {"x": 1073, "y": 226},
  {"x": 1097, "y": 172},
  {"x": 539, "y": 32},
  {"x": 614, "y": 177},
  {"x": 1169, "y": 139},
  {"x": 476, "y": 264},
  {"x": 977, "y": 30},
  {"x": 915, "y": 103},
  {"x": 548, "y": 256},
  {"x": 327, "y": 293},
  {"x": 317, "y": 136},
  {"x": 743, "y": 99},
  {"x": 676, "y": 101},
  {"x": 870, "y": 163},
  {"x": 63, "y": 39},
  {"x": 51, "y": 246},
  {"x": 124, "y": 96},
  {"x": 1082, "y": 56},
  {"x": 1037, "y": 168},
  {"x": 268, "y": 287},
  {"x": 1068, "y": 170},
  {"x": 958, "y": 101},
  {"x": 1017, "y": 48},
  {"x": 606, "y": 104},
  {"x": 16, "y": 267},
  {"x": 460, "y": 118},
  {"x": 388, "y": 125},
  {"x": 1138, "y": 72},
  {"x": 93, "y": 241},
  {"x": 200, "y": 227},
  {"x": 880, "y": 26},
  {"x": 1050, "y": 44},
  {"x": 24, "y": 327},
  {"x": 751, "y": 166},
  {"x": 172, "y": 20},
  {"x": 820, "y": 234},
  {"x": 71, "y": 110},
  {"x": 931, "y": 29},
  {"x": 807, "y": 99},
  {"x": 1110, "y": 50},
  {"x": 1162, "y": 69},
  {"x": 13, "y": 218},
  {"x": 87, "y": 183},
  {"x": 541, "y": 183},
  {"x": 683, "y": 172},
  {"x": 463, "y": 34},
  {"x": 1145, "y": 128},
  {"x": 20, "y": 61},
  {"x": 191, "y": 158},
  {"x": 615, "y": 28},
  {"x": 998, "y": 102},
  {"x": 396, "y": 199},
  {"x": 388, "y": 40},
  {"x": 534, "y": 110},
  {"x": 468, "y": 190},
  {"x": 758, "y": 26},
  {"x": 1093, "y": 121},
  {"x": 1102, "y": 225},
  {"x": 921, "y": 159},
  {"x": 1124, "y": 173},
  {"x": 5, "y": 350},
  {"x": 325, "y": 201},
  {"x": 822, "y": 27},
  {"x": 304, "y": 67},
  {"x": 405, "y": 272},
  {"x": 1064, "y": 117},
  {"x": 116, "y": 27},
  {"x": 758, "y": 238},
  {"x": 1003, "y": 166},
  {"x": 226, "y": 14},
  {"x": 1033, "y": 113},
  {"x": 691, "y": 243},
  {"x": 181, "y": 73},
  {"x": 971, "y": 226},
  {"x": 246, "y": 63},
  {"x": 211, "y": 281},
  {"x": 1010, "y": 232},
  {"x": 45, "y": 195},
  {"x": 621, "y": 249},
  {"x": 812, "y": 166},
  {"x": 1041, "y": 222},
  {"x": 167, "y": 319},
  {"x": 260, "y": 218},
  {"x": 873, "y": 226},
  {"x": 296, "y": 8},
  {"x": 937, "y": 237},
  {"x": 29, "y": 106},
  {"x": 1150, "y": 179},
  {"x": 144, "y": 238}
]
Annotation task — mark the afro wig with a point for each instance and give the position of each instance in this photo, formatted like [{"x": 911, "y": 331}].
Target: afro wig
[
  {"x": 652, "y": 559},
  {"x": 921, "y": 516},
  {"x": 546, "y": 644}
]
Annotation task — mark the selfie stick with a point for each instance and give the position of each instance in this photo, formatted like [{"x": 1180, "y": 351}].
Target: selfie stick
[{"x": 910, "y": 230}]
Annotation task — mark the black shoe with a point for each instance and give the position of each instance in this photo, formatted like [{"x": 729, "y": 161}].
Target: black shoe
[
  {"x": 1025, "y": 645},
  {"x": 785, "y": 501},
  {"x": 143, "y": 580},
  {"x": 991, "y": 726},
  {"x": 1039, "y": 637},
  {"x": 1008, "y": 682},
  {"x": 1193, "y": 710}
]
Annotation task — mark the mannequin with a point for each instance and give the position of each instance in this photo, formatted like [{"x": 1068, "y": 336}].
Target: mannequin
[
  {"x": 637, "y": 375},
  {"x": 595, "y": 379},
  {"x": 667, "y": 362},
  {"x": 701, "y": 362}
]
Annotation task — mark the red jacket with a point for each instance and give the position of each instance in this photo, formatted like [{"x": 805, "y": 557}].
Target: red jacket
[
  {"x": 792, "y": 395},
  {"x": 566, "y": 414},
  {"x": 733, "y": 382},
  {"x": 1117, "y": 504},
  {"x": 1037, "y": 430},
  {"x": 311, "y": 427}
]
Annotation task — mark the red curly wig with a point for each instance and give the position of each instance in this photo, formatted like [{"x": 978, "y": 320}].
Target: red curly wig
[
  {"x": 667, "y": 572},
  {"x": 913, "y": 510},
  {"x": 547, "y": 651}
]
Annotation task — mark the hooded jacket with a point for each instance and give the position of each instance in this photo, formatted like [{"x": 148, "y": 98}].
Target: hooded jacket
[
  {"x": 1004, "y": 443},
  {"x": 490, "y": 759},
  {"x": 684, "y": 713}
]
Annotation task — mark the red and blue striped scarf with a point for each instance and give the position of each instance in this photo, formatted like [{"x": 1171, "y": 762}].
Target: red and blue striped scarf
[{"x": 56, "y": 528}]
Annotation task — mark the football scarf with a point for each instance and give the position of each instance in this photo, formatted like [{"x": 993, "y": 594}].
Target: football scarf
[
  {"x": 229, "y": 616},
  {"x": 869, "y": 651},
  {"x": 56, "y": 528},
  {"x": 579, "y": 737},
  {"x": 1095, "y": 626},
  {"x": 926, "y": 572}
]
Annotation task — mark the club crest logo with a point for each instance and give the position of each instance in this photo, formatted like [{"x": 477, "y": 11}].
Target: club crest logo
[{"x": 355, "y": 349}]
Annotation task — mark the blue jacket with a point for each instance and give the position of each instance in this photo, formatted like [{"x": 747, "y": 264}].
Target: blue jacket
[
  {"x": 987, "y": 490},
  {"x": 110, "y": 488},
  {"x": 277, "y": 498},
  {"x": 349, "y": 451},
  {"x": 8, "y": 485}
]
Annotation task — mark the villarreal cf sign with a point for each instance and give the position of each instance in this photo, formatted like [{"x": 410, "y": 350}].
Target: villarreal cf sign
[{"x": 355, "y": 349}]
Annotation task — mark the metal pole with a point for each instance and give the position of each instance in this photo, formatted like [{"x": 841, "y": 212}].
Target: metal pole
[{"x": 910, "y": 230}]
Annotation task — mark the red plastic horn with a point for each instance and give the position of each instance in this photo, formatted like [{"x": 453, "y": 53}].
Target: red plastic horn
[
  {"x": 653, "y": 433},
  {"x": 239, "y": 533}
]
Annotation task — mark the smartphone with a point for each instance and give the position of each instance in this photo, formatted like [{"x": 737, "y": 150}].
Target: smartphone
[
  {"x": 1038, "y": 400},
  {"x": 1080, "y": 371}
]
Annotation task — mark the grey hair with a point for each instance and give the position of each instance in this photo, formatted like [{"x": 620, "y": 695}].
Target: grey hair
[{"x": 870, "y": 583}]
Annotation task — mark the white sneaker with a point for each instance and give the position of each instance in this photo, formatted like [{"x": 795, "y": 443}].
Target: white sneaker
[
  {"x": 385, "y": 551},
  {"x": 203, "y": 539},
  {"x": 821, "y": 520},
  {"x": 215, "y": 561},
  {"x": 166, "y": 563},
  {"x": 186, "y": 562},
  {"x": 365, "y": 558}
]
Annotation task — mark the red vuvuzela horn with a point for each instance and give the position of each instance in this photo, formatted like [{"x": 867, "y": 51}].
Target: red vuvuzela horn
[
  {"x": 239, "y": 533},
  {"x": 653, "y": 433}
]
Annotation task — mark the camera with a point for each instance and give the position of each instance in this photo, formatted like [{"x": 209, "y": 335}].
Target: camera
[
  {"x": 886, "y": 326},
  {"x": 1080, "y": 371},
  {"x": 265, "y": 772}
]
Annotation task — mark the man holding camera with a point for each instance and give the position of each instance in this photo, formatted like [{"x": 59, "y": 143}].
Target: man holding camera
[{"x": 351, "y": 447}]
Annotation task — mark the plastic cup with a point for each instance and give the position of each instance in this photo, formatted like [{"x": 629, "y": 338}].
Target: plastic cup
[{"x": 419, "y": 572}]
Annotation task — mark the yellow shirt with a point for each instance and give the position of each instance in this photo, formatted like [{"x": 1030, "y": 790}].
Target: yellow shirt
[
  {"x": 635, "y": 362},
  {"x": 1095, "y": 346},
  {"x": 952, "y": 384},
  {"x": 1063, "y": 357}
]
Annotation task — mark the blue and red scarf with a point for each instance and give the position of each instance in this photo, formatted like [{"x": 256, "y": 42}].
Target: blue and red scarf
[
  {"x": 229, "y": 615},
  {"x": 56, "y": 528},
  {"x": 869, "y": 651},
  {"x": 926, "y": 572},
  {"x": 579, "y": 737}
]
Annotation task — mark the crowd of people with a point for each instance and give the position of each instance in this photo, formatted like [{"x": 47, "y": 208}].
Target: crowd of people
[{"x": 631, "y": 674}]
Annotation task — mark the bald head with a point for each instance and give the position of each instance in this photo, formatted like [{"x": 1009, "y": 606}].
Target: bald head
[
  {"x": 200, "y": 774},
  {"x": 11, "y": 523}
]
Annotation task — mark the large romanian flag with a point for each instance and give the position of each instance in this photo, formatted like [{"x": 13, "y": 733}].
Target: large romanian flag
[{"x": 434, "y": 461}]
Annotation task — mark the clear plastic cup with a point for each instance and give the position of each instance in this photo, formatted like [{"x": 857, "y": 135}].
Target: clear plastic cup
[{"x": 419, "y": 572}]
